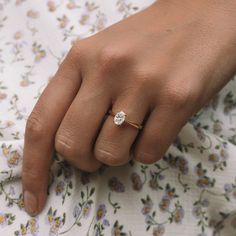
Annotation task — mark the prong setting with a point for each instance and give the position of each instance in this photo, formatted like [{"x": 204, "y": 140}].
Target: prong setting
[{"x": 119, "y": 118}]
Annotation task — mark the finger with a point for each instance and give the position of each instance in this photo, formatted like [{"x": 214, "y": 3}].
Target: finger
[
  {"x": 114, "y": 142},
  {"x": 40, "y": 131},
  {"x": 160, "y": 130},
  {"x": 80, "y": 126}
]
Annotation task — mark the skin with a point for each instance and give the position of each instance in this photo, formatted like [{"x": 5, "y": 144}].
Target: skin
[{"x": 160, "y": 66}]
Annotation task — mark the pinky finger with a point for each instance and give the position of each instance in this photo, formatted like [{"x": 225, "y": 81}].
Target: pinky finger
[{"x": 160, "y": 130}]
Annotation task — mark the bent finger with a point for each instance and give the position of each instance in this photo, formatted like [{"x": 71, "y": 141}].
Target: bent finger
[{"x": 41, "y": 127}]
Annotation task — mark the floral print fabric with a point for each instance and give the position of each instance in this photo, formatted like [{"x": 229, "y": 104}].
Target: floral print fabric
[{"x": 190, "y": 192}]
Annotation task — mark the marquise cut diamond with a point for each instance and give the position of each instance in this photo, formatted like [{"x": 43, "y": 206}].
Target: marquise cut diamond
[{"x": 119, "y": 118}]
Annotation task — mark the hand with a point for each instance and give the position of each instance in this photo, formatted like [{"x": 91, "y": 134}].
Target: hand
[{"x": 160, "y": 66}]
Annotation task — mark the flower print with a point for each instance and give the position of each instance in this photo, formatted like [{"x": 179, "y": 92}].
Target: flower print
[
  {"x": 3, "y": 219},
  {"x": 17, "y": 35},
  {"x": 49, "y": 218},
  {"x": 200, "y": 133},
  {"x": 33, "y": 226},
  {"x": 199, "y": 170},
  {"x": 101, "y": 222},
  {"x": 224, "y": 154},
  {"x": 55, "y": 222},
  {"x": 38, "y": 52},
  {"x": 179, "y": 215},
  {"x": 197, "y": 211},
  {"x": 228, "y": 187},
  {"x": 51, "y": 6},
  {"x": 147, "y": 205},
  {"x": 13, "y": 159},
  {"x": 24, "y": 83},
  {"x": 101, "y": 212},
  {"x": 153, "y": 183},
  {"x": 178, "y": 162},
  {"x": 182, "y": 165},
  {"x": 148, "y": 219},
  {"x": 18, "y": 2},
  {"x": 20, "y": 203},
  {"x": 76, "y": 211},
  {"x": 217, "y": 127},
  {"x": 117, "y": 230},
  {"x": 100, "y": 21},
  {"x": 229, "y": 102},
  {"x": 205, "y": 202},
  {"x": 53, "y": 231},
  {"x": 164, "y": 204},
  {"x": 60, "y": 188},
  {"x": 2, "y": 96},
  {"x": 84, "y": 18},
  {"x": 158, "y": 230},
  {"x": 86, "y": 210},
  {"x": 33, "y": 14},
  {"x": 214, "y": 158},
  {"x": 205, "y": 182},
  {"x": 71, "y": 5},
  {"x": 5, "y": 149},
  {"x": 136, "y": 181},
  {"x": 170, "y": 159},
  {"x": 13, "y": 156},
  {"x": 63, "y": 21},
  {"x": 23, "y": 230},
  {"x": 115, "y": 185},
  {"x": 170, "y": 192},
  {"x": 106, "y": 222}
]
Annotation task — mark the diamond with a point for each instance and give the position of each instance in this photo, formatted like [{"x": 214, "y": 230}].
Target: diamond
[{"x": 119, "y": 118}]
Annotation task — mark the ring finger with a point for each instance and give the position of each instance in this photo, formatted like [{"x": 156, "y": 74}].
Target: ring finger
[{"x": 114, "y": 142}]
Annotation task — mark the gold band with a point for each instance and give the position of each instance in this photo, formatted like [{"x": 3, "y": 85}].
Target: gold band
[{"x": 136, "y": 125}]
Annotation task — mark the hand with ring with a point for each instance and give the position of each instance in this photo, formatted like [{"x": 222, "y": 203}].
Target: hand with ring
[{"x": 129, "y": 89}]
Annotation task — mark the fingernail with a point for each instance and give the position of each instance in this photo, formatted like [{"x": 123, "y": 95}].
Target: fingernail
[{"x": 30, "y": 203}]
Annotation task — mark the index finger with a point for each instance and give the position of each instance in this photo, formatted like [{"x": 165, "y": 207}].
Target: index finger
[{"x": 40, "y": 131}]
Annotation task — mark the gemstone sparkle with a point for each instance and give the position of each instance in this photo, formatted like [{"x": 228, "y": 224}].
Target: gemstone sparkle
[{"x": 119, "y": 118}]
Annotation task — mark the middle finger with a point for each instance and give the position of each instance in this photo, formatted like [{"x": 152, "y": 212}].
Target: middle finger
[{"x": 78, "y": 130}]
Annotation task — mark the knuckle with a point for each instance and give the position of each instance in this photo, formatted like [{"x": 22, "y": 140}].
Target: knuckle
[
  {"x": 146, "y": 80},
  {"x": 34, "y": 126},
  {"x": 146, "y": 158},
  {"x": 71, "y": 151},
  {"x": 180, "y": 96},
  {"x": 109, "y": 153},
  {"x": 110, "y": 57},
  {"x": 76, "y": 51},
  {"x": 66, "y": 147}
]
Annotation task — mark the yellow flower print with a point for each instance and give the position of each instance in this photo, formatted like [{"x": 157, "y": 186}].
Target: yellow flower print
[
  {"x": 33, "y": 14},
  {"x": 51, "y": 6},
  {"x": 14, "y": 158},
  {"x": 23, "y": 230},
  {"x": 17, "y": 35},
  {"x": 6, "y": 150},
  {"x": 71, "y": 5},
  {"x": 50, "y": 219},
  {"x": 63, "y": 21},
  {"x": 2, "y": 219}
]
